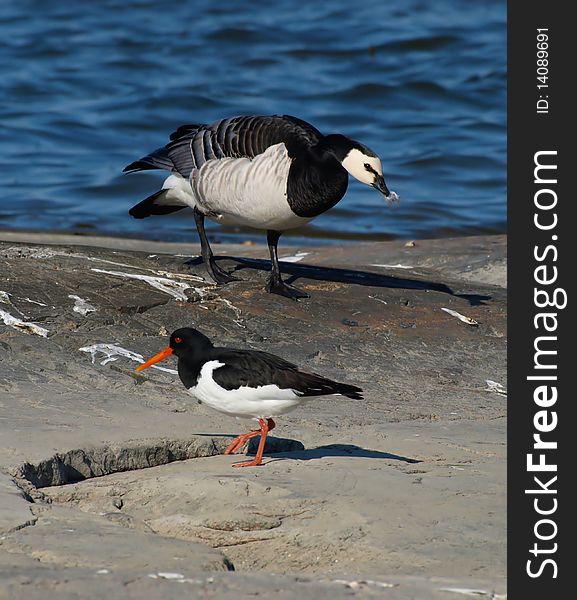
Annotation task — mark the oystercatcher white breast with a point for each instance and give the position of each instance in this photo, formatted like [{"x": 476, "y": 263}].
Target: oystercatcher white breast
[
  {"x": 267, "y": 172},
  {"x": 244, "y": 383}
]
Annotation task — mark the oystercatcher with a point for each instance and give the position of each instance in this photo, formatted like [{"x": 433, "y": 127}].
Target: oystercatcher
[
  {"x": 244, "y": 383},
  {"x": 268, "y": 172}
]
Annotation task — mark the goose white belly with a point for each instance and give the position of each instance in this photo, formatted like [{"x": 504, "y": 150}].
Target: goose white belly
[
  {"x": 244, "y": 191},
  {"x": 261, "y": 403}
]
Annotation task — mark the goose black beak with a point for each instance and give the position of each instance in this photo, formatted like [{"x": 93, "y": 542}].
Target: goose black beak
[{"x": 379, "y": 184}]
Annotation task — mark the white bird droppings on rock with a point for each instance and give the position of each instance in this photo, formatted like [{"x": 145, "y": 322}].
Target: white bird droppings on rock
[
  {"x": 24, "y": 326},
  {"x": 176, "y": 289},
  {"x": 34, "y": 301},
  {"x": 461, "y": 317},
  {"x": 294, "y": 258},
  {"x": 493, "y": 386},
  {"x": 81, "y": 306},
  {"x": 113, "y": 352},
  {"x": 179, "y": 577},
  {"x": 472, "y": 592},
  {"x": 397, "y": 266}
]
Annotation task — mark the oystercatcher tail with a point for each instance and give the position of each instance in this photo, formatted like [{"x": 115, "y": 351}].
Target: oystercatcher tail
[
  {"x": 268, "y": 172},
  {"x": 244, "y": 383}
]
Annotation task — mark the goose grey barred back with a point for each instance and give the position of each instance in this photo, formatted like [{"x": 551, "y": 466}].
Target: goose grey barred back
[{"x": 267, "y": 172}]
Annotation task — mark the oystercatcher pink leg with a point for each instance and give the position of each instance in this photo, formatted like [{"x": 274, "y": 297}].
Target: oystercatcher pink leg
[
  {"x": 241, "y": 440},
  {"x": 265, "y": 427}
]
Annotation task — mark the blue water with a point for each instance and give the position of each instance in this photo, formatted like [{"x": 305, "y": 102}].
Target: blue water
[{"x": 87, "y": 87}]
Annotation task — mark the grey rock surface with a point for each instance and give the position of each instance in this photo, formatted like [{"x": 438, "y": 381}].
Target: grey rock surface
[{"x": 113, "y": 484}]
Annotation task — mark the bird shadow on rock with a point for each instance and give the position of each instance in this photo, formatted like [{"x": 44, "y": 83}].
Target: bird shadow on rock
[
  {"x": 287, "y": 448},
  {"x": 350, "y": 276},
  {"x": 333, "y": 450}
]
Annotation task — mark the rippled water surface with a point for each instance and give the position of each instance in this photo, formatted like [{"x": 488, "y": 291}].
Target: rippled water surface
[{"x": 87, "y": 87}]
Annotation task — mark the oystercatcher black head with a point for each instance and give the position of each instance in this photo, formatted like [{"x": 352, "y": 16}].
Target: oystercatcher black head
[
  {"x": 268, "y": 172},
  {"x": 189, "y": 342},
  {"x": 244, "y": 383}
]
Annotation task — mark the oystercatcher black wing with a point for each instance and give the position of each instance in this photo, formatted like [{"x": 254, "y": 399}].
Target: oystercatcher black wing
[{"x": 253, "y": 369}]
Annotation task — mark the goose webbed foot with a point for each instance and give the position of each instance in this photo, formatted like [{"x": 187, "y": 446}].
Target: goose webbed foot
[
  {"x": 278, "y": 286},
  {"x": 219, "y": 275},
  {"x": 275, "y": 284}
]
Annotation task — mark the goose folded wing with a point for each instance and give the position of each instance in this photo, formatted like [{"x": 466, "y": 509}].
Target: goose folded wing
[{"x": 236, "y": 137}]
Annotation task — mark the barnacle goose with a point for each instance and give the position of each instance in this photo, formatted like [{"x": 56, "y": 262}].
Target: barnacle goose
[{"x": 268, "y": 172}]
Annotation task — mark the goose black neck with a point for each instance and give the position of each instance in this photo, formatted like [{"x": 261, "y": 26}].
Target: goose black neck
[
  {"x": 336, "y": 145},
  {"x": 316, "y": 181}
]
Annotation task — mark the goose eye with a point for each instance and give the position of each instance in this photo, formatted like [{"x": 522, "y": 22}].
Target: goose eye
[
  {"x": 367, "y": 166},
  {"x": 177, "y": 340}
]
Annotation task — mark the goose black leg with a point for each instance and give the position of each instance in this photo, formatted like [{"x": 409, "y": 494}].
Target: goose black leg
[
  {"x": 275, "y": 285},
  {"x": 214, "y": 270}
]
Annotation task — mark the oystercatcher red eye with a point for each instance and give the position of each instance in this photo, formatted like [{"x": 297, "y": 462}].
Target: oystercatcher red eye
[{"x": 178, "y": 340}]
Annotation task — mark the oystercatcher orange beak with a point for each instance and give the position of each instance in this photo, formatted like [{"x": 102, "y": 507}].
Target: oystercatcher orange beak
[{"x": 156, "y": 358}]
